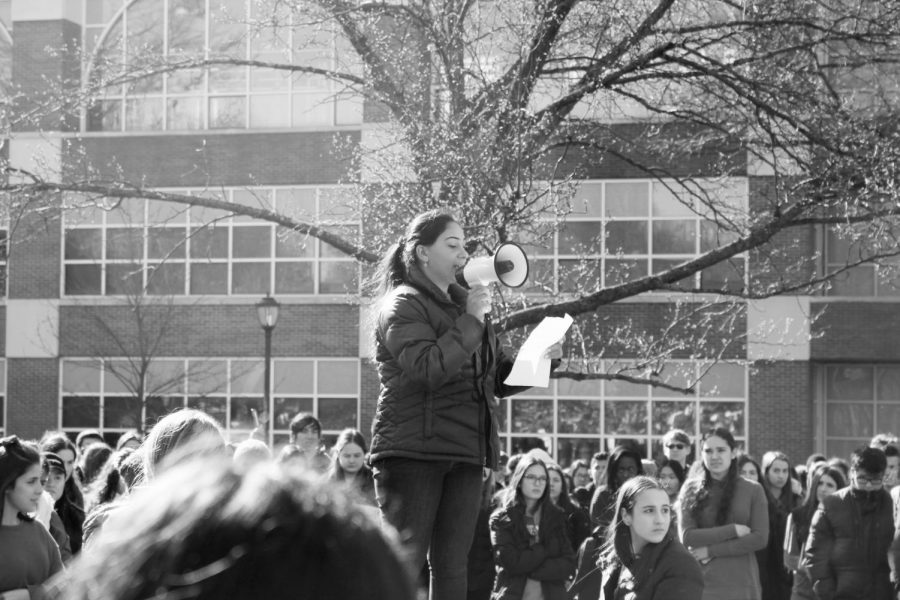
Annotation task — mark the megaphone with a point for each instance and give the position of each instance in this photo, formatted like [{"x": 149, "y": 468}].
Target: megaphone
[{"x": 508, "y": 265}]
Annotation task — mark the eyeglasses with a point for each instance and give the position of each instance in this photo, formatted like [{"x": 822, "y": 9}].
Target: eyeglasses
[
  {"x": 869, "y": 480},
  {"x": 675, "y": 446},
  {"x": 536, "y": 478}
]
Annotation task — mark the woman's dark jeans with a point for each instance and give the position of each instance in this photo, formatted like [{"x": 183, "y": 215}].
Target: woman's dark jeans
[{"x": 434, "y": 506}]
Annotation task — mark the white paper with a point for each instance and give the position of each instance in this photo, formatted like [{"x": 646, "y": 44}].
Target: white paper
[{"x": 531, "y": 367}]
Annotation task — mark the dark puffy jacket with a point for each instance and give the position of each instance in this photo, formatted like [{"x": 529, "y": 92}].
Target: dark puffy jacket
[
  {"x": 665, "y": 571},
  {"x": 550, "y": 561},
  {"x": 439, "y": 369},
  {"x": 847, "y": 550}
]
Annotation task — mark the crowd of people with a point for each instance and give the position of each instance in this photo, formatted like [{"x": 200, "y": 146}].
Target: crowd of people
[{"x": 434, "y": 507}]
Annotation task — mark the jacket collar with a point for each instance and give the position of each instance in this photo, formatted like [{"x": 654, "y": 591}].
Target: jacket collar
[{"x": 456, "y": 294}]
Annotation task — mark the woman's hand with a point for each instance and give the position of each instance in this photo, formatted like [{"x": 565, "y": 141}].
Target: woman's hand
[
  {"x": 701, "y": 554},
  {"x": 554, "y": 351},
  {"x": 741, "y": 530},
  {"x": 479, "y": 302}
]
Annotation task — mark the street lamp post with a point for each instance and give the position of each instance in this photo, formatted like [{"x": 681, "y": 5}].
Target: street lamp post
[{"x": 267, "y": 311}]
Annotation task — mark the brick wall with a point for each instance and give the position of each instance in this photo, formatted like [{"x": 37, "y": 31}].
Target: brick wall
[
  {"x": 32, "y": 396},
  {"x": 34, "y": 255},
  {"x": 45, "y": 66},
  {"x": 855, "y": 331},
  {"x": 210, "y": 330},
  {"x": 781, "y": 409},
  {"x": 210, "y": 159}
]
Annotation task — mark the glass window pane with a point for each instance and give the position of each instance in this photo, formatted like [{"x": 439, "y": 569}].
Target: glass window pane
[
  {"x": 849, "y": 420},
  {"x": 338, "y": 413},
  {"x": 313, "y": 109},
  {"x": 532, "y": 416},
  {"x": 247, "y": 376},
  {"x": 165, "y": 377},
  {"x": 627, "y": 199},
  {"x": 294, "y": 278},
  {"x": 250, "y": 278},
  {"x": 80, "y": 377},
  {"x": 124, "y": 279},
  {"x": 673, "y": 415},
  {"x": 294, "y": 245},
  {"x": 105, "y": 115},
  {"x": 252, "y": 241},
  {"x": 297, "y": 202},
  {"x": 349, "y": 233},
  {"x": 207, "y": 377},
  {"x": 184, "y": 113},
  {"x": 173, "y": 214},
  {"x": 580, "y": 238},
  {"x": 674, "y": 237},
  {"x": 81, "y": 411},
  {"x": 337, "y": 277},
  {"x": 209, "y": 242},
  {"x": 227, "y": 112},
  {"x": 676, "y": 374},
  {"x": 144, "y": 114},
  {"x": 120, "y": 377},
  {"x": 843, "y": 448},
  {"x": 712, "y": 236},
  {"x": 293, "y": 376},
  {"x": 214, "y": 407},
  {"x": 571, "y": 387},
  {"x": 849, "y": 382},
  {"x": 269, "y": 111},
  {"x": 166, "y": 243},
  {"x": 625, "y": 417},
  {"x": 568, "y": 449},
  {"x": 579, "y": 276},
  {"x": 724, "y": 380},
  {"x": 338, "y": 377},
  {"x": 626, "y": 237},
  {"x": 729, "y": 415},
  {"x": 888, "y": 384},
  {"x": 166, "y": 279},
  {"x": 156, "y": 407},
  {"x": 125, "y": 243},
  {"x": 82, "y": 280},
  {"x": 579, "y": 416},
  {"x": 287, "y": 408},
  {"x": 121, "y": 412},
  {"x": 242, "y": 415},
  {"x": 588, "y": 199},
  {"x": 227, "y": 27},
  {"x": 858, "y": 281},
  {"x": 84, "y": 244},
  {"x": 540, "y": 277},
  {"x": 129, "y": 212},
  {"x": 187, "y": 26},
  {"x": 888, "y": 416},
  {"x": 666, "y": 203},
  {"x": 727, "y": 275},
  {"x": 209, "y": 278},
  {"x": 618, "y": 271}
]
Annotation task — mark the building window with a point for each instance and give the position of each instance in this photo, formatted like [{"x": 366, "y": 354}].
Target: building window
[
  {"x": 856, "y": 401},
  {"x": 2, "y": 397},
  {"x": 626, "y": 229},
  {"x": 101, "y": 394},
  {"x": 846, "y": 245},
  {"x": 124, "y": 42},
  {"x": 576, "y": 419},
  {"x": 168, "y": 249}
]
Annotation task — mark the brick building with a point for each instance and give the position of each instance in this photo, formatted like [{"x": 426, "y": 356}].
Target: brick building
[{"x": 825, "y": 374}]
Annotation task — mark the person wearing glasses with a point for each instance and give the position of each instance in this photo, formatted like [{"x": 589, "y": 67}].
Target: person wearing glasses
[
  {"x": 532, "y": 550},
  {"x": 677, "y": 447},
  {"x": 847, "y": 552}
]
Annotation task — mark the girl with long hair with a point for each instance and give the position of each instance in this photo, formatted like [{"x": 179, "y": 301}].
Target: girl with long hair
[
  {"x": 825, "y": 481},
  {"x": 348, "y": 466},
  {"x": 532, "y": 550},
  {"x": 776, "y": 475},
  {"x": 723, "y": 520},
  {"x": 624, "y": 463},
  {"x": 578, "y": 522},
  {"x": 671, "y": 476},
  {"x": 642, "y": 558},
  {"x": 28, "y": 554},
  {"x": 436, "y": 424},
  {"x": 69, "y": 506}
]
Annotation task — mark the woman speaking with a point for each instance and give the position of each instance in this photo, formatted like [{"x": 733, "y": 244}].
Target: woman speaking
[{"x": 435, "y": 426}]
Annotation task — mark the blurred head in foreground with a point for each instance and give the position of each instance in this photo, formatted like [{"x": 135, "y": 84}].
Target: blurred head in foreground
[{"x": 202, "y": 530}]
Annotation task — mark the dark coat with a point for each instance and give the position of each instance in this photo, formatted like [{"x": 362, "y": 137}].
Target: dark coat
[
  {"x": 665, "y": 571},
  {"x": 579, "y": 523},
  {"x": 603, "y": 508},
  {"x": 847, "y": 550},
  {"x": 550, "y": 561},
  {"x": 440, "y": 369}
]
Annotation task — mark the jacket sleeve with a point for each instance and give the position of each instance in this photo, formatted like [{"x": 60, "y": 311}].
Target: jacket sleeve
[
  {"x": 791, "y": 545},
  {"x": 684, "y": 581},
  {"x": 759, "y": 529},
  {"x": 424, "y": 357},
  {"x": 694, "y": 536},
  {"x": 507, "y": 553},
  {"x": 560, "y": 562},
  {"x": 817, "y": 558}
]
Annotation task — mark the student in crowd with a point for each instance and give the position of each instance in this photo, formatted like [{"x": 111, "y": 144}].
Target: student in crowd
[
  {"x": 179, "y": 436},
  {"x": 597, "y": 471},
  {"x": 348, "y": 467},
  {"x": 205, "y": 531},
  {"x": 671, "y": 477},
  {"x": 580, "y": 474},
  {"x": 53, "y": 480},
  {"x": 778, "y": 581},
  {"x": 532, "y": 550},
  {"x": 86, "y": 438},
  {"x": 130, "y": 439},
  {"x": 109, "y": 487},
  {"x": 643, "y": 558},
  {"x": 824, "y": 482},
  {"x": 851, "y": 535},
  {"x": 28, "y": 554},
  {"x": 92, "y": 460},
  {"x": 723, "y": 521},
  {"x": 69, "y": 506},
  {"x": 881, "y": 440},
  {"x": 839, "y": 463},
  {"x": 677, "y": 447},
  {"x": 440, "y": 365},
  {"x": 251, "y": 452},
  {"x": 892, "y": 472},
  {"x": 306, "y": 448},
  {"x": 624, "y": 463},
  {"x": 578, "y": 522},
  {"x": 749, "y": 469}
]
